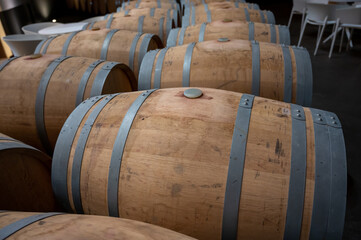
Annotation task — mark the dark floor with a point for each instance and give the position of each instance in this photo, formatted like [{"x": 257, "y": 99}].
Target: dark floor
[{"x": 336, "y": 88}]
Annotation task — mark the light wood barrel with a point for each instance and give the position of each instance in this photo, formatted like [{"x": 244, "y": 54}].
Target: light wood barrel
[
  {"x": 166, "y": 4},
  {"x": 200, "y": 2},
  {"x": 112, "y": 45},
  {"x": 229, "y": 29},
  {"x": 53, "y": 225},
  {"x": 159, "y": 26},
  {"x": 151, "y": 12},
  {"x": 25, "y": 181},
  {"x": 223, "y": 165},
  {"x": 38, "y": 94},
  {"x": 263, "y": 69},
  {"x": 243, "y": 14}
]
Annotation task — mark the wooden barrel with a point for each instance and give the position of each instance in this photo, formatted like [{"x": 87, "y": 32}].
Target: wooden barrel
[
  {"x": 76, "y": 4},
  {"x": 224, "y": 164},
  {"x": 53, "y": 225},
  {"x": 111, "y": 45},
  {"x": 99, "y": 7},
  {"x": 166, "y": 4},
  {"x": 263, "y": 69},
  {"x": 112, "y": 5},
  {"x": 151, "y": 12},
  {"x": 243, "y": 14},
  {"x": 229, "y": 29},
  {"x": 38, "y": 94},
  {"x": 159, "y": 26},
  {"x": 89, "y": 6},
  {"x": 25, "y": 181},
  {"x": 200, "y": 2}
]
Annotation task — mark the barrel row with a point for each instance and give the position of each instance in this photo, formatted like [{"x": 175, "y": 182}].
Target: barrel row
[
  {"x": 229, "y": 29},
  {"x": 112, "y": 45},
  {"x": 55, "y": 225},
  {"x": 273, "y": 71},
  {"x": 221, "y": 154},
  {"x": 51, "y": 87}
]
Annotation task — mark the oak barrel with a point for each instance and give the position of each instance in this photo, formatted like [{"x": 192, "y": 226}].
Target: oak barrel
[
  {"x": 264, "y": 69},
  {"x": 151, "y": 12},
  {"x": 200, "y": 2},
  {"x": 111, "y": 45},
  {"x": 144, "y": 24},
  {"x": 99, "y": 7},
  {"x": 54, "y": 225},
  {"x": 25, "y": 181},
  {"x": 166, "y": 4},
  {"x": 229, "y": 29},
  {"x": 243, "y": 14},
  {"x": 224, "y": 164},
  {"x": 39, "y": 92}
]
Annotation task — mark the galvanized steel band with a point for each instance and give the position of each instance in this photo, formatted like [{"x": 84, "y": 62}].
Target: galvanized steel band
[
  {"x": 235, "y": 169},
  {"x": 304, "y": 76},
  {"x": 181, "y": 36},
  {"x": 270, "y": 17},
  {"x": 91, "y": 25},
  {"x": 67, "y": 43},
  {"x": 161, "y": 22},
  {"x": 14, "y": 144},
  {"x": 152, "y": 10},
  {"x": 144, "y": 48},
  {"x": 106, "y": 43},
  {"x": 193, "y": 15},
  {"x": 273, "y": 33},
  {"x": 288, "y": 74},
  {"x": 250, "y": 31},
  {"x": 145, "y": 72},
  {"x": 132, "y": 50},
  {"x": 140, "y": 23},
  {"x": 173, "y": 37},
  {"x": 158, "y": 68},
  {"x": 261, "y": 13},
  {"x": 40, "y": 45},
  {"x": 40, "y": 102},
  {"x": 246, "y": 13},
  {"x": 6, "y": 62},
  {"x": 117, "y": 154},
  {"x": 256, "y": 68},
  {"x": 187, "y": 65},
  {"x": 101, "y": 77},
  {"x": 202, "y": 32},
  {"x": 47, "y": 44},
  {"x": 209, "y": 16}
]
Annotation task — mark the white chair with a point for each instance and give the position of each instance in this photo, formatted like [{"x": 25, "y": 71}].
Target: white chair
[
  {"x": 347, "y": 18},
  {"x": 319, "y": 14},
  {"x": 299, "y": 7}
]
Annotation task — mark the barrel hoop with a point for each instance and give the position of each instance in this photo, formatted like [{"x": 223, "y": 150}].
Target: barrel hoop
[
  {"x": 175, "y": 17},
  {"x": 126, "y": 12},
  {"x": 110, "y": 20},
  {"x": 146, "y": 68},
  {"x": 152, "y": 10},
  {"x": 92, "y": 25},
  {"x": 250, "y": 31},
  {"x": 181, "y": 36},
  {"x": 236, "y": 4},
  {"x": 168, "y": 23},
  {"x": 62, "y": 150},
  {"x": 14, "y": 144},
  {"x": 263, "y": 19},
  {"x": 185, "y": 20},
  {"x": 84, "y": 81},
  {"x": 187, "y": 65},
  {"x": 79, "y": 152},
  {"x": 337, "y": 212},
  {"x": 85, "y": 26},
  {"x": 117, "y": 154},
  {"x": 6, "y": 62},
  {"x": 235, "y": 169},
  {"x": 296, "y": 192},
  {"x": 47, "y": 44},
  {"x": 106, "y": 44},
  {"x": 106, "y": 16},
  {"x": 247, "y": 15},
  {"x": 250, "y": 6},
  {"x": 273, "y": 33},
  {"x": 270, "y": 17},
  {"x": 284, "y": 35},
  {"x": 202, "y": 32},
  {"x": 161, "y": 22},
  {"x": 193, "y": 15},
  {"x": 7, "y": 139},
  {"x": 172, "y": 38},
  {"x": 67, "y": 42},
  {"x": 137, "y": 4},
  {"x": 40, "y": 101},
  {"x": 256, "y": 68},
  {"x": 119, "y": 9},
  {"x": 102, "y": 75},
  {"x": 206, "y": 7},
  {"x": 288, "y": 73},
  {"x": 158, "y": 68},
  {"x": 304, "y": 76},
  {"x": 132, "y": 50},
  {"x": 144, "y": 48},
  {"x": 256, "y": 6},
  {"x": 159, "y": 4},
  {"x": 323, "y": 178},
  {"x": 140, "y": 23},
  {"x": 14, "y": 227},
  {"x": 40, "y": 45}
]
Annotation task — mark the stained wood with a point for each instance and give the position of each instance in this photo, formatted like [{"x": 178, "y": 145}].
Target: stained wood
[
  {"x": 227, "y": 66},
  {"x": 20, "y": 80},
  {"x": 229, "y": 29},
  {"x": 227, "y": 13},
  {"x": 166, "y": 4},
  {"x": 89, "y": 43},
  {"x": 25, "y": 183},
  {"x": 175, "y": 163},
  {"x": 150, "y": 25},
  {"x": 71, "y": 226}
]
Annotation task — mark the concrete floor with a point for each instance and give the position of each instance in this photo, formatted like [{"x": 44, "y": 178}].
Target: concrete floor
[{"x": 336, "y": 88}]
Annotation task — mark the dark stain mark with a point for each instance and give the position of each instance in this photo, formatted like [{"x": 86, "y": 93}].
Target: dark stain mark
[
  {"x": 217, "y": 198},
  {"x": 215, "y": 148},
  {"x": 257, "y": 175},
  {"x": 176, "y": 189},
  {"x": 131, "y": 172},
  {"x": 278, "y": 149},
  {"x": 267, "y": 144},
  {"x": 205, "y": 186},
  {"x": 217, "y": 185},
  {"x": 128, "y": 177},
  {"x": 281, "y": 115},
  {"x": 274, "y": 160},
  {"x": 41, "y": 222},
  {"x": 179, "y": 169}
]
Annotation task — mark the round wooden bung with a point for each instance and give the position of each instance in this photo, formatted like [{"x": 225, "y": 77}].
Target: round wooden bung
[
  {"x": 227, "y": 20},
  {"x": 223, "y": 39},
  {"x": 95, "y": 29},
  {"x": 35, "y": 56},
  {"x": 193, "y": 93}
]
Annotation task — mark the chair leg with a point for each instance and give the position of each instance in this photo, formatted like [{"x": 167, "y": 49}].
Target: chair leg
[
  {"x": 320, "y": 37},
  {"x": 342, "y": 35},
  {"x": 319, "y": 31},
  {"x": 349, "y": 44},
  {"x": 334, "y": 38},
  {"x": 289, "y": 21},
  {"x": 302, "y": 32},
  {"x": 303, "y": 18},
  {"x": 331, "y": 35}
]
